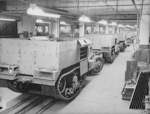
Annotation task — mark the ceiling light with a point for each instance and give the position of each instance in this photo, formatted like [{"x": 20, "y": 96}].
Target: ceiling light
[
  {"x": 7, "y": 19},
  {"x": 121, "y": 26},
  {"x": 63, "y": 23},
  {"x": 135, "y": 26},
  {"x": 113, "y": 24},
  {"x": 129, "y": 26},
  {"x": 41, "y": 21},
  {"x": 103, "y": 22},
  {"x": 35, "y": 10},
  {"x": 84, "y": 18}
]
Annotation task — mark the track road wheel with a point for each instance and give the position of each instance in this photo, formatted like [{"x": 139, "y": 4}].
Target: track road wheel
[
  {"x": 17, "y": 86},
  {"x": 68, "y": 86}
]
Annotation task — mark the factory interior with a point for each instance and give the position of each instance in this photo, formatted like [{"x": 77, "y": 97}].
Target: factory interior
[{"x": 74, "y": 56}]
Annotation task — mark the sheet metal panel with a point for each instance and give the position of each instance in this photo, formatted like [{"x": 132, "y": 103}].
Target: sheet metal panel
[
  {"x": 29, "y": 55},
  {"x": 69, "y": 53},
  {"x": 102, "y": 40}
]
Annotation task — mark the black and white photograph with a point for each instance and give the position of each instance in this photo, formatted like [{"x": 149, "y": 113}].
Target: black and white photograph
[{"x": 74, "y": 56}]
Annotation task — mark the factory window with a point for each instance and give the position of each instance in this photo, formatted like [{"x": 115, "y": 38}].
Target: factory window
[
  {"x": 69, "y": 30},
  {"x": 96, "y": 29},
  {"x": 88, "y": 29},
  {"x": 65, "y": 31},
  {"x": 102, "y": 29},
  {"x": 8, "y": 29},
  {"x": 42, "y": 29}
]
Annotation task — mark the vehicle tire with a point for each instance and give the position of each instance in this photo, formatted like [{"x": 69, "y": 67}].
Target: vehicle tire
[{"x": 17, "y": 86}]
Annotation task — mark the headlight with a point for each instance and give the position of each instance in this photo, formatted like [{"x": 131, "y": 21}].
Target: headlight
[{"x": 10, "y": 71}]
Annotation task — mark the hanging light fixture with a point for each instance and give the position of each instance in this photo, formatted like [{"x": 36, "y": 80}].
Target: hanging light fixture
[
  {"x": 113, "y": 24},
  {"x": 121, "y": 26},
  {"x": 6, "y": 19},
  {"x": 129, "y": 26},
  {"x": 35, "y": 10},
  {"x": 84, "y": 18},
  {"x": 41, "y": 21},
  {"x": 103, "y": 22},
  {"x": 63, "y": 23}
]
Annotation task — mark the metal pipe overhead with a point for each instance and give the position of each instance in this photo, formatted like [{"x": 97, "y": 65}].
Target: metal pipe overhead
[
  {"x": 133, "y": 1},
  {"x": 89, "y": 1},
  {"x": 125, "y": 5}
]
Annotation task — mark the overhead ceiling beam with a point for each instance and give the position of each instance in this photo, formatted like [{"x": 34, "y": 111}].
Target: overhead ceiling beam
[
  {"x": 89, "y": 1},
  {"x": 117, "y": 17},
  {"x": 124, "y": 5}
]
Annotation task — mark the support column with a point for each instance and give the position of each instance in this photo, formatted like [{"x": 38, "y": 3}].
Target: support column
[
  {"x": 143, "y": 53},
  {"x": 107, "y": 29},
  {"x": 144, "y": 33},
  {"x": 82, "y": 30},
  {"x": 56, "y": 28},
  {"x": 144, "y": 30}
]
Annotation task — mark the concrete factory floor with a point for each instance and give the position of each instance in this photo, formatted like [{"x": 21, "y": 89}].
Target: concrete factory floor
[{"x": 103, "y": 94}]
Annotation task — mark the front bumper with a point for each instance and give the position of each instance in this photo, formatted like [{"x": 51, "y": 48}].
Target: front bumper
[{"x": 43, "y": 78}]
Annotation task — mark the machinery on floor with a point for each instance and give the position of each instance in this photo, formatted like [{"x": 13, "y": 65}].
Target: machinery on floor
[{"x": 138, "y": 68}]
